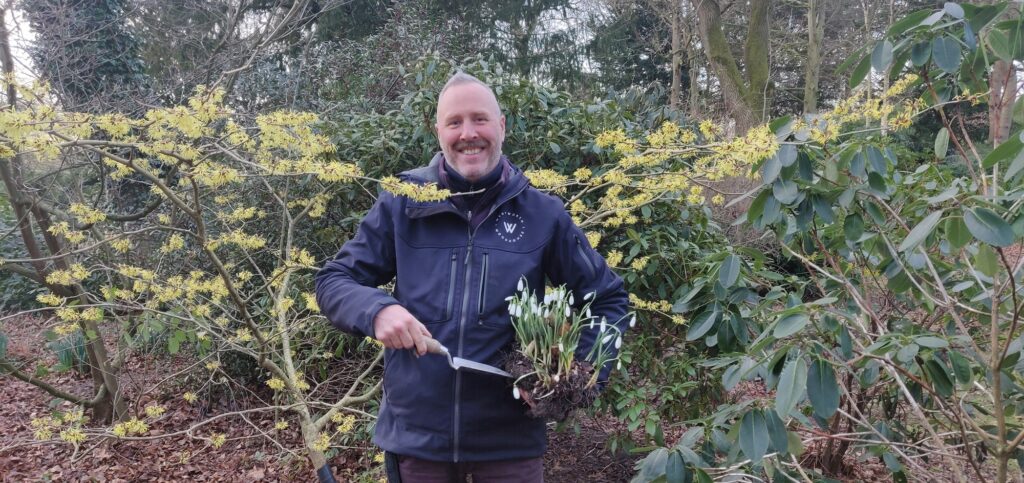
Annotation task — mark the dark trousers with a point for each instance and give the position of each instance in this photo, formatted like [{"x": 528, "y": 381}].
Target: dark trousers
[{"x": 406, "y": 469}]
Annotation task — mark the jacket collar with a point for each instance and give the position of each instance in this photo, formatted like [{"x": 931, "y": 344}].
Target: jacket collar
[{"x": 430, "y": 174}]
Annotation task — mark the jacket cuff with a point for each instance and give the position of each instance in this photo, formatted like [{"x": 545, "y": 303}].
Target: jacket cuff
[{"x": 372, "y": 311}]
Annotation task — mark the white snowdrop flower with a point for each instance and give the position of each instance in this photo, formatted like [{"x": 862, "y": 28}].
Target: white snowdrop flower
[
  {"x": 547, "y": 298},
  {"x": 515, "y": 392},
  {"x": 561, "y": 347},
  {"x": 566, "y": 310},
  {"x": 604, "y": 324},
  {"x": 618, "y": 366},
  {"x": 618, "y": 342},
  {"x": 519, "y": 287},
  {"x": 588, "y": 296},
  {"x": 607, "y": 338},
  {"x": 509, "y": 298},
  {"x": 632, "y": 321},
  {"x": 572, "y": 300},
  {"x": 588, "y": 313},
  {"x": 591, "y": 326},
  {"x": 547, "y": 312}
]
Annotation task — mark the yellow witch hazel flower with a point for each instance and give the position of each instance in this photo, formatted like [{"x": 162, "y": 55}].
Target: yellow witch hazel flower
[
  {"x": 155, "y": 411},
  {"x": 275, "y": 383},
  {"x": 323, "y": 441},
  {"x": 218, "y": 439},
  {"x": 173, "y": 244},
  {"x": 415, "y": 192},
  {"x": 50, "y": 299},
  {"x": 546, "y": 179},
  {"x": 74, "y": 274},
  {"x": 85, "y": 214},
  {"x": 189, "y": 397},
  {"x": 281, "y": 425},
  {"x": 122, "y": 245},
  {"x": 72, "y": 435},
  {"x": 311, "y": 302},
  {"x": 345, "y": 424}
]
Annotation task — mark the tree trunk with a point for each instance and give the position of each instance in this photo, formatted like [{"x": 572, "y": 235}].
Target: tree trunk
[
  {"x": 746, "y": 96},
  {"x": 677, "y": 58},
  {"x": 112, "y": 404},
  {"x": 1003, "y": 85},
  {"x": 812, "y": 70},
  {"x": 755, "y": 59}
]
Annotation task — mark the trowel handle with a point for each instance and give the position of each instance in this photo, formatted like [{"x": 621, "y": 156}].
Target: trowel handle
[{"x": 435, "y": 347}]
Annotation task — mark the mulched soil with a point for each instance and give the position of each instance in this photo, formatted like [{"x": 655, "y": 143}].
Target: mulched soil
[{"x": 246, "y": 456}]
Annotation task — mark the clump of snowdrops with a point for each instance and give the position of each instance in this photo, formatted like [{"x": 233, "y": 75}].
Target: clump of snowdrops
[{"x": 548, "y": 331}]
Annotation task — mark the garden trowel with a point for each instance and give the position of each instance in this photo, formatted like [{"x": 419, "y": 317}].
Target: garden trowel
[{"x": 457, "y": 363}]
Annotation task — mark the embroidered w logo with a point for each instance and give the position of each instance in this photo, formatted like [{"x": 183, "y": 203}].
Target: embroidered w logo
[{"x": 510, "y": 227}]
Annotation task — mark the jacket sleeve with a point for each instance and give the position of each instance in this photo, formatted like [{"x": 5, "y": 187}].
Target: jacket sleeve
[
  {"x": 573, "y": 262},
  {"x": 346, "y": 287}
]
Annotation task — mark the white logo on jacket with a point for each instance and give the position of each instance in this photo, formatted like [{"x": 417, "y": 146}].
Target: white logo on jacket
[{"x": 509, "y": 226}]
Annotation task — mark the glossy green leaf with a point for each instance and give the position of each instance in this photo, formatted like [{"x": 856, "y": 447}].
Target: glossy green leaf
[
  {"x": 875, "y": 158},
  {"x": 777, "y": 434},
  {"x": 729, "y": 271},
  {"x": 946, "y": 53},
  {"x": 921, "y": 231},
  {"x": 790, "y": 324},
  {"x": 861, "y": 71},
  {"x": 988, "y": 227},
  {"x": 822, "y": 389},
  {"x": 931, "y": 341},
  {"x": 874, "y": 212},
  {"x": 920, "y": 53},
  {"x": 676, "y": 470},
  {"x": 1000, "y": 45},
  {"x": 907, "y": 352},
  {"x": 1006, "y": 151},
  {"x": 791, "y": 387},
  {"x": 961, "y": 367},
  {"x": 754, "y": 436},
  {"x": 877, "y": 183},
  {"x": 1016, "y": 166},
  {"x": 853, "y": 227},
  {"x": 939, "y": 378},
  {"x": 786, "y": 191},
  {"x": 881, "y": 56},
  {"x": 702, "y": 325},
  {"x": 787, "y": 154},
  {"x": 770, "y": 170},
  {"x": 908, "y": 22},
  {"x": 986, "y": 260},
  {"x": 954, "y": 10},
  {"x": 956, "y": 232},
  {"x": 941, "y": 143}
]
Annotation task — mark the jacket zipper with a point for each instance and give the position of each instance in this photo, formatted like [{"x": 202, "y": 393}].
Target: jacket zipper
[
  {"x": 465, "y": 305},
  {"x": 586, "y": 259},
  {"x": 451, "y": 287},
  {"x": 483, "y": 289}
]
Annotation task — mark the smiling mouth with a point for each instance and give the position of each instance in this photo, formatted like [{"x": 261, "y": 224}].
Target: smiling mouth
[{"x": 471, "y": 151}]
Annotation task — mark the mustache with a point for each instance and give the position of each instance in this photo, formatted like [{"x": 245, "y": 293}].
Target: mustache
[{"x": 470, "y": 144}]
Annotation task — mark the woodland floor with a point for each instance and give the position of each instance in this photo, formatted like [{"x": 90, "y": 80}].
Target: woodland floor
[{"x": 165, "y": 455}]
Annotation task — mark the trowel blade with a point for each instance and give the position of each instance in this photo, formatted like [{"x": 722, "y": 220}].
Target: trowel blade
[{"x": 461, "y": 363}]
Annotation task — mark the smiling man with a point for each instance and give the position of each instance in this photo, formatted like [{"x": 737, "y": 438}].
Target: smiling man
[{"x": 454, "y": 262}]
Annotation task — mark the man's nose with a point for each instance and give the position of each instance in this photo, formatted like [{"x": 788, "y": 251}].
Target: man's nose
[{"x": 468, "y": 132}]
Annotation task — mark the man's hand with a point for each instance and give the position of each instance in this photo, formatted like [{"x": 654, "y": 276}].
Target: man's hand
[{"x": 396, "y": 328}]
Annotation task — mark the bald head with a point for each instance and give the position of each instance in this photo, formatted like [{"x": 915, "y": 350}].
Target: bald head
[{"x": 461, "y": 78}]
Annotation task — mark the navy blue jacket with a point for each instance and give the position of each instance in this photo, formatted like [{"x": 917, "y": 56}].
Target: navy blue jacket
[{"x": 455, "y": 280}]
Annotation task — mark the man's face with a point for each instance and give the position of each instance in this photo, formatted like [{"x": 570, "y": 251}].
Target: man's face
[{"x": 470, "y": 129}]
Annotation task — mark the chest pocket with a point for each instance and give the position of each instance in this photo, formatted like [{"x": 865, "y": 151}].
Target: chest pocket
[
  {"x": 426, "y": 283},
  {"x": 499, "y": 275}
]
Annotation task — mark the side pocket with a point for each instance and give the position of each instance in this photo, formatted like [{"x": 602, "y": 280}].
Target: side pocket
[
  {"x": 586, "y": 259},
  {"x": 451, "y": 288}
]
